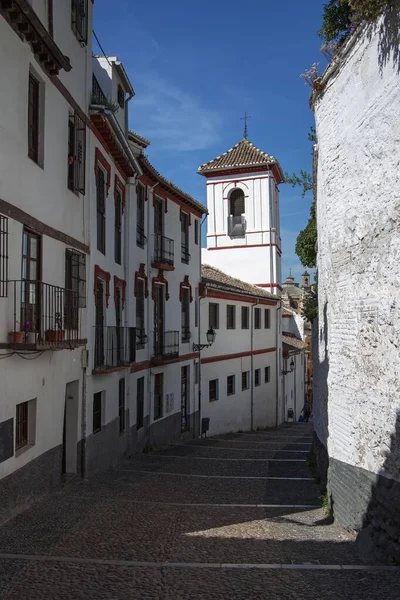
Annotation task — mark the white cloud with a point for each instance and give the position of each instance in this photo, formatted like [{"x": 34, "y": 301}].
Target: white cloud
[{"x": 171, "y": 118}]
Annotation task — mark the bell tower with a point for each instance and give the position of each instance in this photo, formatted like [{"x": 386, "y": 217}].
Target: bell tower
[{"x": 243, "y": 237}]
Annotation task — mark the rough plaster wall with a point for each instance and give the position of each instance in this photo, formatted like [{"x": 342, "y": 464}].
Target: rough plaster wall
[{"x": 359, "y": 256}]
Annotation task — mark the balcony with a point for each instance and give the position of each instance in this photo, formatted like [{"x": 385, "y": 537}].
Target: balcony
[
  {"x": 166, "y": 345},
  {"x": 114, "y": 347},
  {"x": 236, "y": 226},
  {"x": 163, "y": 257},
  {"x": 141, "y": 239},
  {"x": 41, "y": 316}
]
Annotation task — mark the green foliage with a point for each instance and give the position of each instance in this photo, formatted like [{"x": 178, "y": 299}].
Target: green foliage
[
  {"x": 312, "y": 135},
  {"x": 336, "y": 20},
  {"x": 306, "y": 243},
  {"x": 310, "y": 308},
  {"x": 326, "y": 504},
  {"x": 368, "y": 9},
  {"x": 304, "y": 180}
]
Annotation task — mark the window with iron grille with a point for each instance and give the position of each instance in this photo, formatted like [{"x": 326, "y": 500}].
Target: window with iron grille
[
  {"x": 101, "y": 210},
  {"x": 213, "y": 390},
  {"x": 257, "y": 318},
  {"x": 140, "y": 323},
  {"x": 97, "y": 406},
  {"x": 79, "y": 19},
  {"x": 196, "y": 307},
  {"x": 118, "y": 228},
  {"x": 213, "y": 315},
  {"x": 21, "y": 426},
  {"x": 121, "y": 404},
  {"x": 257, "y": 377},
  {"x": 267, "y": 374},
  {"x": 231, "y": 316},
  {"x": 75, "y": 274},
  {"x": 245, "y": 317},
  {"x": 140, "y": 237},
  {"x": 33, "y": 118},
  {"x": 139, "y": 402},
  {"x": 158, "y": 395},
  {"x": 185, "y": 315},
  {"x": 245, "y": 380},
  {"x": 3, "y": 256},
  {"x": 230, "y": 385},
  {"x": 267, "y": 318},
  {"x": 121, "y": 96},
  {"x": 196, "y": 232},
  {"x": 76, "y": 153},
  {"x": 185, "y": 256},
  {"x": 196, "y": 372}
]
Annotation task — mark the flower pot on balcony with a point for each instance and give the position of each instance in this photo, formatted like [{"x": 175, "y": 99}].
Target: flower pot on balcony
[
  {"x": 32, "y": 337},
  {"x": 55, "y": 335},
  {"x": 17, "y": 337}
]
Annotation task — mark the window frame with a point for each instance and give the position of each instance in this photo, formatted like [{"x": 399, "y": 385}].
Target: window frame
[
  {"x": 140, "y": 314},
  {"x": 185, "y": 256},
  {"x": 231, "y": 316},
  {"x": 4, "y": 237},
  {"x": 245, "y": 380},
  {"x": 159, "y": 406},
  {"x": 140, "y": 216},
  {"x": 245, "y": 311},
  {"x": 21, "y": 422},
  {"x": 80, "y": 28},
  {"x": 75, "y": 261},
  {"x": 121, "y": 404},
  {"x": 34, "y": 101},
  {"x": 213, "y": 319},
  {"x": 257, "y": 377},
  {"x": 237, "y": 202},
  {"x": 196, "y": 232},
  {"x": 97, "y": 412},
  {"x": 267, "y": 374},
  {"x": 101, "y": 210},
  {"x": 231, "y": 382},
  {"x": 139, "y": 403},
  {"x": 185, "y": 315},
  {"x": 121, "y": 96},
  {"x": 118, "y": 219},
  {"x": 213, "y": 389},
  {"x": 267, "y": 318},
  {"x": 257, "y": 318}
]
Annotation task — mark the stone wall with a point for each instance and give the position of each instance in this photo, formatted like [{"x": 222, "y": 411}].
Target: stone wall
[{"x": 357, "y": 367}]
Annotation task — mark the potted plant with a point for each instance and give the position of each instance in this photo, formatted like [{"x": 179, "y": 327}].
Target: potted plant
[
  {"x": 16, "y": 337},
  {"x": 58, "y": 334}
]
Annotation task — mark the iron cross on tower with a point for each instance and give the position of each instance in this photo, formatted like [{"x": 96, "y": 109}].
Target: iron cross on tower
[{"x": 245, "y": 119}]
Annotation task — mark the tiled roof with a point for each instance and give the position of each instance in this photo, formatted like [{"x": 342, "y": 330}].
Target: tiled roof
[
  {"x": 294, "y": 342},
  {"x": 287, "y": 312},
  {"x": 135, "y": 137},
  {"x": 146, "y": 165},
  {"x": 216, "y": 278},
  {"x": 244, "y": 154}
]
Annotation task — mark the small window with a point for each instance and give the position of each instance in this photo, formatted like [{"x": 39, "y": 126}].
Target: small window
[
  {"x": 21, "y": 429},
  {"x": 196, "y": 232},
  {"x": 76, "y": 153},
  {"x": 75, "y": 275},
  {"x": 121, "y": 404},
  {"x": 267, "y": 374},
  {"x": 79, "y": 19},
  {"x": 257, "y": 318},
  {"x": 257, "y": 377},
  {"x": 245, "y": 317},
  {"x": 196, "y": 372},
  {"x": 230, "y": 385},
  {"x": 245, "y": 380},
  {"x": 185, "y": 315},
  {"x": 140, "y": 237},
  {"x": 33, "y": 118},
  {"x": 140, "y": 322},
  {"x": 213, "y": 390},
  {"x": 118, "y": 228},
  {"x": 158, "y": 395},
  {"x": 213, "y": 315},
  {"x": 101, "y": 210},
  {"x": 231, "y": 316},
  {"x": 196, "y": 308},
  {"x": 185, "y": 256},
  {"x": 267, "y": 318},
  {"x": 236, "y": 203},
  {"x": 121, "y": 96},
  {"x": 97, "y": 406},
  {"x": 139, "y": 402},
  {"x": 3, "y": 256}
]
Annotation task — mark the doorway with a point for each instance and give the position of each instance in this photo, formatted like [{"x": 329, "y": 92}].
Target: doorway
[{"x": 70, "y": 431}]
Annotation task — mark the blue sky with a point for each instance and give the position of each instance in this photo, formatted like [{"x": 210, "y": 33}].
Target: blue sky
[{"x": 197, "y": 67}]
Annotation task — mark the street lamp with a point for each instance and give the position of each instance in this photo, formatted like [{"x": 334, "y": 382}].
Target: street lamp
[
  {"x": 210, "y": 335},
  {"x": 291, "y": 368}
]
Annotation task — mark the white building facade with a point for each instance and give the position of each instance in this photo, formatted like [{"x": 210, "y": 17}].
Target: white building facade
[
  {"x": 294, "y": 350},
  {"x": 240, "y": 376},
  {"x": 44, "y": 243}
]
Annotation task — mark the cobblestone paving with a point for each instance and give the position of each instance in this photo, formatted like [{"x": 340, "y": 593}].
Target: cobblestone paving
[{"x": 237, "y": 517}]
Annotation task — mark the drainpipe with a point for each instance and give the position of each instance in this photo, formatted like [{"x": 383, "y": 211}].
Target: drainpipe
[
  {"x": 278, "y": 372},
  {"x": 251, "y": 367},
  {"x": 199, "y": 328}
]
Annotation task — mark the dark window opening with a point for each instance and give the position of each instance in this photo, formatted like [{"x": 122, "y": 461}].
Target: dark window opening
[
  {"x": 121, "y": 405},
  {"x": 230, "y": 385},
  {"x": 33, "y": 118},
  {"x": 158, "y": 395},
  {"x": 185, "y": 315},
  {"x": 140, "y": 237},
  {"x": 101, "y": 211},
  {"x": 245, "y": 380},
  {"x": 21, "y": 426},
  {"x": 79, "y": 19},
  {"x": 185, "y": 256},
  {"x": 118, "y": 228},
  {"x": 257, "y": 318},
  {"x": 76, "y": 154},
  {"x": 196, "y": 232},
  {"x": 267, "y": 318},
  {"x": 213, "y": 315},
  {"x": 213, "y": 390},
  {"x": 139, "y": 402},
  {"x": 257, "y": 377},
  {"x": 236, "y": 203},
  {"x": 267, "y": 372},
  {"x": 121, "y": 96},
  {"x": 231, "y": 316},
  {"x": 140, "y": 323},
  {"x": 97, "y": 398},
  {"x": 245, "y": 317}
]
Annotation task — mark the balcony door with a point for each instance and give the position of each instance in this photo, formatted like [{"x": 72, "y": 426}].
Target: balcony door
[
  {"x": 158, "y": 228},
  {"x": 159, "y": 320},
  {"x": 99, "y": 327},
  {"x": 30, "y": 296},
  {"x": 118, "y": 322}
]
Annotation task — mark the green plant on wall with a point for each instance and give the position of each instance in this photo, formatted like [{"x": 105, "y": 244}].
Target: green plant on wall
[{"x": 340, "y": 16}]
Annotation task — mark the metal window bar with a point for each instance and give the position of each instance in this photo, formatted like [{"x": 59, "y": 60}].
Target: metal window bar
[
  {"x": 158, "y": 395},
  {"x": 118, "y": 230},
  {"x": 75, "y": 274},
  {"x": 79, "y": 19},
  {"x": 97, "y": 412},
  {"x": 101, "y": 211},
  {"x": 121, "y": 404},
  {"x": 140, "y": 403},
  {"x": 166, "y": 345},
  {"x": 114, "y": 346},
  {"x": 79, "y": 154},
  {"x": 33, "y": 119},
  {"x": 185, "y": 256},
  {"x": 3, "y": 256},
  {"x": 98, "y": 96},
  {"x": 163, "y": 250},
  {"x": 21, "y": 426}
]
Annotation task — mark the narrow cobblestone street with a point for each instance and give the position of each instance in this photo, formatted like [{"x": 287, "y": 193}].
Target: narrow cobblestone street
[{"x": 233, "y": 517}]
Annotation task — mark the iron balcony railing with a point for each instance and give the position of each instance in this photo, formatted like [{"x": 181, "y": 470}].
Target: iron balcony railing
[
  {"x": 141, "y": 239},
  {"x": 42, "y": 315},
  {"x": 166, "y": 345},
  {"x": 114, "y": 346},
  {"x": 185, "y": 256},
  {"x": 163, "y": 250},
  {"x": 236, "y": 226}
]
